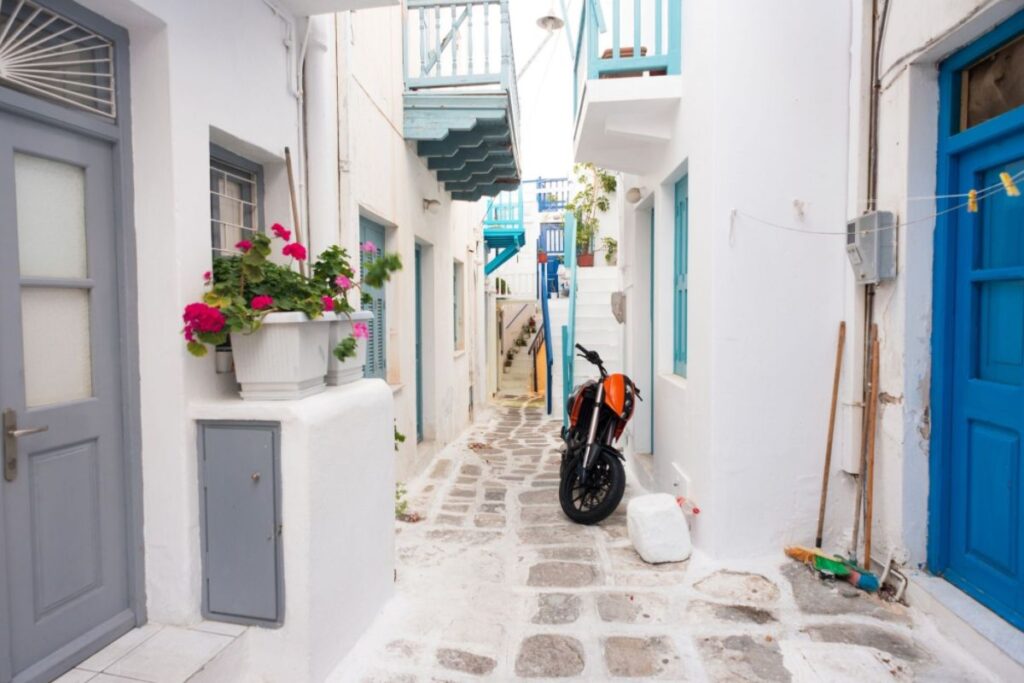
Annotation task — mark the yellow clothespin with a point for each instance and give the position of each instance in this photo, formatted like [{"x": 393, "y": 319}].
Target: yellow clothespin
[
  {"x": 1011, "y": 187},
  {"x": 972, "y": 201}
]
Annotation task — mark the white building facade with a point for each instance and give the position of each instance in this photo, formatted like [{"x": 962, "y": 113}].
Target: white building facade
[
  {"x": 189, "y": 107},
  {"x": 750, "y": 142}
]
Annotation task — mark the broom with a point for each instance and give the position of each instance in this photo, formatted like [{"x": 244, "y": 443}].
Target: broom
[{"x": 836, "y": 566}]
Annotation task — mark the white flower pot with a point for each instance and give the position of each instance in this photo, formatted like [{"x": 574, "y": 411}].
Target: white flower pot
[
  {"x": 349, "y": 370},
  {"x": 284, "y": 360}
]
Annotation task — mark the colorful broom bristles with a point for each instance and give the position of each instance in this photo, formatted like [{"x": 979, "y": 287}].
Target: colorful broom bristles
[{"x": 834, "y": 565}]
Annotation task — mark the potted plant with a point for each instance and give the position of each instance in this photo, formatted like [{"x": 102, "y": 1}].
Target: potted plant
[
  {"x": 593, "y": 198},
  {"x": 274, "y": 316},
  {"x": 349, "y": 328},
  {"x": 611, "y": 250}
]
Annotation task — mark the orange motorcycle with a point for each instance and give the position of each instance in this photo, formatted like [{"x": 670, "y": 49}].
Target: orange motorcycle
[{"x": 592, "y": 476}]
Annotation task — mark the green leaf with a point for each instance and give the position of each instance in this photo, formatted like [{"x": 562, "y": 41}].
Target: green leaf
[
  {"x": 197, "y": 349},
  {"x": 346, "y": 348}
]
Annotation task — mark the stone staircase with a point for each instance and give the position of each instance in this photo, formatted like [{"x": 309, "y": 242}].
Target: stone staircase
[
  {"x": 517, "y": 379},
  {"x": 596, "y": 327}
]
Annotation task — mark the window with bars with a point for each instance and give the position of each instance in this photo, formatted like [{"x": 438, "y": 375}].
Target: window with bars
[
  {"x": 236, "y": 200},
  {"x": 376, "y": 347}
]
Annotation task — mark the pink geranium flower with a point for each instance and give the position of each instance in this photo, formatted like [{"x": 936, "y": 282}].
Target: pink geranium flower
[
  {"x": 281, "y": 231},
  {"x": 328, "y": 303},
  {"x": 295, "y": 250},
  {"x": 343, "y": 282},
  {"x": 244, "y": 245},
  {"x": 207, "y": 276},
  {"x": 200, "y": 317},
  {"x": 261, "y": 302},
  {"x": 360, "y": 331},
  {"x": 368, "y": 247}
]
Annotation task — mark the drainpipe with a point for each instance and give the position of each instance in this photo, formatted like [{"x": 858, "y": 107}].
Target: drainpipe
[
  {"x": 321, "y": 133},
  {"x": 878, "y": 22},
  {"x": 295, "y": 69}
]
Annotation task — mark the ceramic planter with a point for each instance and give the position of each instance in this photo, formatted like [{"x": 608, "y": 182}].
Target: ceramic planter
[
  {"x": 284, "y": 360},
  {"x": 585, "y": 259},
  {"x": 349, "y": 370}
]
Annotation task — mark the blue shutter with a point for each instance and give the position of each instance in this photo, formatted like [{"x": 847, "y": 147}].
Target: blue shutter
[
  {"x": 680, "y": 273},
  {"x": 376, "y": 351}
]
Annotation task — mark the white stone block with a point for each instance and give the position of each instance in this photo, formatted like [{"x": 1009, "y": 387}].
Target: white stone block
[{"x": 658, "y": 529}]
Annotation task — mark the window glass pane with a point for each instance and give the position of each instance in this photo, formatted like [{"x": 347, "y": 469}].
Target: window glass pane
[
  {"x": 57, "y": 345},
  {"x": 233, "y": 207},
  {"x": 1000, "y": 352},
  {"x": 992, "y": 86},
  {"x": 50, "y": 204},
  {"x": 1001, "y": 224}
]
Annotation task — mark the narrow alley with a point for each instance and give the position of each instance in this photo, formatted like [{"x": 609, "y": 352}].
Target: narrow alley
[{"x": 495, "y": 584}]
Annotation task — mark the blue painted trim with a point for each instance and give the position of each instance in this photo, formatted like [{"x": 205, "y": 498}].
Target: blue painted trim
[
  {"x": 651, "y": 322},
  {"x": 680, "y": 275},
  {"x": 951, "y": 145},
  {"x": 569, "y": 330}
]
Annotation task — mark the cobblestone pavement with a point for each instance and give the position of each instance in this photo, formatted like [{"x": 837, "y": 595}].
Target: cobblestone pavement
[{"x": 497, "y": 584}]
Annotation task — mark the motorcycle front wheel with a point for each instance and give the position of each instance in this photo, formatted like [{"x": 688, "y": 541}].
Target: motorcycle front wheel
[{"x": 592, "y": 502}]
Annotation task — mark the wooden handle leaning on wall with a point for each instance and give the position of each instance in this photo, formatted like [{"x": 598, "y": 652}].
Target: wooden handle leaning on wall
[
  {"x": 831, "y": 433},
  {"x": 872, "y": 429}
]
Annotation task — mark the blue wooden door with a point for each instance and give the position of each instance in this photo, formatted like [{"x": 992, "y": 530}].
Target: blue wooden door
[
  {"x": 987, "y": 465},
  {"x": 419, "y": 345},
  {"x": 976, "y": 526},
  {"x": 376, "y": 349}
]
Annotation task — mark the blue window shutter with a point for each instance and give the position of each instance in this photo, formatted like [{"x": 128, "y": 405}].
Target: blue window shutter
[
  {"x": 680, "y": 277},
  {"x": 376, "y": 351}
]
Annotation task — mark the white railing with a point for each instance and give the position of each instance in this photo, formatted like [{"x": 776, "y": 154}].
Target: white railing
[{"x": 461, "y": 44}]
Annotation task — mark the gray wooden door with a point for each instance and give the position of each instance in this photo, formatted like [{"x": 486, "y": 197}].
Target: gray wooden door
[{"x": 63, "y": 540}]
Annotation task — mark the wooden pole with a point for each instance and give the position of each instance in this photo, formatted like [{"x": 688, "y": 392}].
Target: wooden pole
[
  {"x": 872, "y": 428},
  {"x": 295, "y": 205},
  {"x": 858, "y": 500},
  {"x": 831, "y": 433}
]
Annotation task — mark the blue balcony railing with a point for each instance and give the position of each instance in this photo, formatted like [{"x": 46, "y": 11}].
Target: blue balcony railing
[
  {"x": 627, "y": 38},
  {"x": 552, "y": 193}
]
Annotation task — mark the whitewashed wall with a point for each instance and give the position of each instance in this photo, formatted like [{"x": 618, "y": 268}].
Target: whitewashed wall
[
  {"x": 226, "y": 72},
  {"x": 920, "y": 34},
  {"x": 741, "y": 433},
  {"x": 387, "y": 181}
]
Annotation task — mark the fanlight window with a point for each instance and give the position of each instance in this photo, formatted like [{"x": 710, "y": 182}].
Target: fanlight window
[{"x": 48, "y": 55}]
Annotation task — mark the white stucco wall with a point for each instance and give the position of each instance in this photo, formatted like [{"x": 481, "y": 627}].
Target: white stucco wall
[
  {"x": 920, "y": 34},
  {"x": 226, "y": 72},
  {"x": 745, "y": 431},
  {"x": 740, "y": 433},
  {"x": 387, "y": 181}
]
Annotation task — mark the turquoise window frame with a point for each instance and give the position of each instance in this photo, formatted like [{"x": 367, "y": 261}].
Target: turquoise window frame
[{"x": 680, "y": 276}]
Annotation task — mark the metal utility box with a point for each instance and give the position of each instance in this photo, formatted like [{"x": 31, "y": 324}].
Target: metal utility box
[
  {"x": 240, "y": 521},
  {"x": 871, "y": 247}
]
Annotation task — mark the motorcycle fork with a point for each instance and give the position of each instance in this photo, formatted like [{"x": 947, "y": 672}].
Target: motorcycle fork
[{"x": 590, "y": 453}]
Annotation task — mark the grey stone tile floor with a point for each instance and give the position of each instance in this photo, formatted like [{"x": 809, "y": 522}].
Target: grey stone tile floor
[{"x": 496, "y": 584}]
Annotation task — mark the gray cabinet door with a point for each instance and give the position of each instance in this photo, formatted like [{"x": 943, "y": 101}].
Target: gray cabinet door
[
  {"x": 241, "y": 549},
  {"x": 64, "y": 574}
]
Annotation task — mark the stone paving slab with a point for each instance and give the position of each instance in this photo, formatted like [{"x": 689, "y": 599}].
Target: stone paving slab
[{"x": 496, "y": 584}]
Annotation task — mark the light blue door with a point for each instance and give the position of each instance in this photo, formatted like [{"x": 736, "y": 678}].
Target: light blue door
[
  {"x": 680, "y": 276},
  {"x": 419, "y": 344},
  {"x": 978, "y": 458},
  {"x": 376, "y": 348}
]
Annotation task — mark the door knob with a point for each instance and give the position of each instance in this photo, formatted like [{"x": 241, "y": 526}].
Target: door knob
[{"x": 11, "y": 436}]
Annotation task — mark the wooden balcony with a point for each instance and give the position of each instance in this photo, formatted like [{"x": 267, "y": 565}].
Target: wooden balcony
[{"x": 461, "y": 100}]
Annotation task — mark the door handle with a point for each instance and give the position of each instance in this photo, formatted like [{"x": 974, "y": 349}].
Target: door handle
[{"x": 11, "y": 436}]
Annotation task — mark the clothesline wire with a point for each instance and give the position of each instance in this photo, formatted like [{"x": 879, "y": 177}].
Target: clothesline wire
[{"x": 981, "y": 194}]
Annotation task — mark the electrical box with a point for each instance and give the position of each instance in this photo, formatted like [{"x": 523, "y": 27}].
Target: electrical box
[
  {"x": 240, "y": 517},
  {"x": 871, "y": 247}
]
